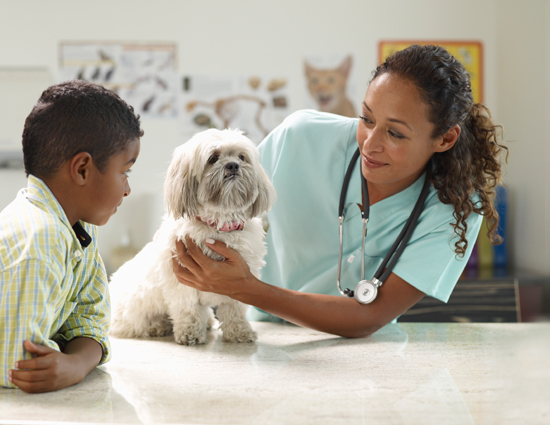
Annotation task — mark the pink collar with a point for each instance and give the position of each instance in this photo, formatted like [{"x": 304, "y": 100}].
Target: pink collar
[{"x": 227, "y": 226}]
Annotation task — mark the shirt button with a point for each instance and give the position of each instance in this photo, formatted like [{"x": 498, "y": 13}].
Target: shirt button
[{"x": 77, "y": 254}]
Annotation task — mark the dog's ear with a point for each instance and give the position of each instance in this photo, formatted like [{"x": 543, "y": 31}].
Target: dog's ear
[
  {"x": 181, "y": 186},
  {"x": 266, "y": 194}
]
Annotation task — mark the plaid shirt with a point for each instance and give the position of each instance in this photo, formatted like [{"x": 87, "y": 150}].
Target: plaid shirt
[{"x": 53, "y": 285}]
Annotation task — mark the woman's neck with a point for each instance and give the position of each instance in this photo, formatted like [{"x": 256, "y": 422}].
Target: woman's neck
[{"x": 381, "y": 191}]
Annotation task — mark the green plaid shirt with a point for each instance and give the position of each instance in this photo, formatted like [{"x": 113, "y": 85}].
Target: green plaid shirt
[{"x": 53, "y": 285}]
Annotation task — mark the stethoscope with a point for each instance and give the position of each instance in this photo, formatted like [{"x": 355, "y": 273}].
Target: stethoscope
[{"x": 367, "y": 290}]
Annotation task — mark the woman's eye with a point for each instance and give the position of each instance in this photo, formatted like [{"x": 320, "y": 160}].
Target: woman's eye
[
  {"x": 365, "y": 119},
  {"x": 241, "y": 157},
  {"x": 395, "y": 135},
  {"x": 213, "y": 159}
]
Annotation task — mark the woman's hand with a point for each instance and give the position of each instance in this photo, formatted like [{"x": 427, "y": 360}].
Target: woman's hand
[
  {"x": 193, "y": 268},
  {"x": 327, "y": 313}
]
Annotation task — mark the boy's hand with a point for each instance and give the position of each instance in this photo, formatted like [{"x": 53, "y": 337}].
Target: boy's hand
[{"x": 51, "y": 370}]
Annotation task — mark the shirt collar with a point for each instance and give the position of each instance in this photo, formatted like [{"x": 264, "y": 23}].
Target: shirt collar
[
  {"x": 39, "y": 193},
  {"x": 387, "y": 206},
  {"x": 83, "y": 237}
]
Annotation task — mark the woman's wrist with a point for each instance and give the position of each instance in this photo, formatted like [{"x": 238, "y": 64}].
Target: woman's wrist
[{"x": 247, "y": 291}]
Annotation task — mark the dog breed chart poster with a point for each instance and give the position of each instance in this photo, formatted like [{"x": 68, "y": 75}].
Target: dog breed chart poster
[
  {"x": 143, "y": 75},
  {"x": 254, "y": 104}
]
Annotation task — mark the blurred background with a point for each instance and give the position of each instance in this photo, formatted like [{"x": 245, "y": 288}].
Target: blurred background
[{"x": 175, "y": 60}]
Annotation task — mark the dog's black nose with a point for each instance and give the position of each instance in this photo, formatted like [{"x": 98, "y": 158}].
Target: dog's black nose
[{"x": 232, "y": 167}]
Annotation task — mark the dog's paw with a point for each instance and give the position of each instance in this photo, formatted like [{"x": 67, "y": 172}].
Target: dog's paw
[
  {"x": 189, "y": 339},
  {"x": 160, "y": 326},
  {"x": 247, "y": 335},
  {"x": 190, "y": 334}
]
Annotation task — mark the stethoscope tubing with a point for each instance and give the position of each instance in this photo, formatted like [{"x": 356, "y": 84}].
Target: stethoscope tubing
[{"x": 400, "y": 243}]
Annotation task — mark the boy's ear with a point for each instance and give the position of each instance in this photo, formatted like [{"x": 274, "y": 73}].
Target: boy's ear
[{"x": 80, "y": 167}]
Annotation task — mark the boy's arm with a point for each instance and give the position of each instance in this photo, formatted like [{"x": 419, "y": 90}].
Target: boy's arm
[
  {"x": 28, "y": 299},
  {"x": 51, "y": 370},
  {"x": 82, "y": 338},
  {"x": 90, "y": 317},
  {"x": 29, "y": 303}
]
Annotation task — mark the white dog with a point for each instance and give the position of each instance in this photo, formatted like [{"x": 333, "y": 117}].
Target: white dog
[{"x": 215, "y": 188}]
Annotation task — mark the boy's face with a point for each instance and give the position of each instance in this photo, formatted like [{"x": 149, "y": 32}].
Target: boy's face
[{"x": 108, "y": 189}]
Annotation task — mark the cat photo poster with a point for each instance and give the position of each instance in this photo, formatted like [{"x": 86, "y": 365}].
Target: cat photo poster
[{"x": 330, "y": 84}]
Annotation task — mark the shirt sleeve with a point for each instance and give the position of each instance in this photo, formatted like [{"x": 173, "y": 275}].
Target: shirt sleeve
[
  {"x": 90, "y": 316},
  {"x": 28, "y": 301},
  {"x": 430, "y": 263}
]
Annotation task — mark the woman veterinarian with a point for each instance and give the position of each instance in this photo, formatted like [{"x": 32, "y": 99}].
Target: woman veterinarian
[{"x": 418, "y": 122}]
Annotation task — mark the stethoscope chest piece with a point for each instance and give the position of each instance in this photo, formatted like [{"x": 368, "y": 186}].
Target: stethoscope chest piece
[{"x": 366, "y": 292}]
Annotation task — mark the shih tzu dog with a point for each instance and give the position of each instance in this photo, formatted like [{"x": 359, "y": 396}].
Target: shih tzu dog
[{"x": 215, "y": 188}]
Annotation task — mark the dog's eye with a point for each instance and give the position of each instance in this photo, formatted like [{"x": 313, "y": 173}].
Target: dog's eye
[
  {"x": 241, "y": 157},
  {"x": 213, "y": 159}
]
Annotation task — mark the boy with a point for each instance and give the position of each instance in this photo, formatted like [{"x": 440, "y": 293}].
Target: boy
[{"x": 79, "y": 143}]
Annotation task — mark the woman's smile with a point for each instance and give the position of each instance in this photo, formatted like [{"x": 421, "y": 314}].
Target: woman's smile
[{"x": 372, "y": 163}]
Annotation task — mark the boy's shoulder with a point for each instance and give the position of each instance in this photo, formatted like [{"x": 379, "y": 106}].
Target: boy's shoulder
[{"x": 32, "y": 228}]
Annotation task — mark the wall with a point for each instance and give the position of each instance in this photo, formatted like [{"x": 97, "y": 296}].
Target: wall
[
  {"x": 273, "y": 37},
  {"x": 546, "y": 178},
  {"x": 521, "y": 76}
]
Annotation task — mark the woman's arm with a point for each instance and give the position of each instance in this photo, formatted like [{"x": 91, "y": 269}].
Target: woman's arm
[{"x": 327, "y": 313}]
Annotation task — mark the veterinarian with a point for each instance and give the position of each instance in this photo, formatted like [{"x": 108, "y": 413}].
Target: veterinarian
[{"x": 418, "y": 122}]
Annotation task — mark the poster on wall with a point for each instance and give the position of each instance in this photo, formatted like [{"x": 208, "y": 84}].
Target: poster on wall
[
  {"x": 21, "y": 88},
  {"x": 254, "y": 104},
  {"x": 144, "y": 75},
  {"x": 469, "y": 53},
  {"x": 330, "y": 84}
]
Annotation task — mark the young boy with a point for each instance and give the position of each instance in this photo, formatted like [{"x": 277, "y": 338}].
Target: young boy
[{"x": 79, "y": 143}]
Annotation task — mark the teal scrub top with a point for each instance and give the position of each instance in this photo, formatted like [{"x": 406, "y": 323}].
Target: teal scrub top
[{"x": 307, "y": 157}]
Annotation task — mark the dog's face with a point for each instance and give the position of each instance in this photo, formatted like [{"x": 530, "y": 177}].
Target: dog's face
[{"x": 217, "y": 172}]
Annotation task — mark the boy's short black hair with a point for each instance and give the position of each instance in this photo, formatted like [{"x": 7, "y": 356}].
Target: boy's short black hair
[{"x": 74, "y": 117}]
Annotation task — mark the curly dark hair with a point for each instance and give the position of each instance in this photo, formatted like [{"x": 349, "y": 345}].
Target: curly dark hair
[
  {"x": 472, "y": 165},
  {"x": 74, "y": 117}
]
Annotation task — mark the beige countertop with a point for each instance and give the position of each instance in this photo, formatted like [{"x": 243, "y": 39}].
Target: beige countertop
[{"x": 409, "y": 373}]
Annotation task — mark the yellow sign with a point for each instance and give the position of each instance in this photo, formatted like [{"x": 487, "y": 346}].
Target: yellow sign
[{"x": 469, "y": 53}]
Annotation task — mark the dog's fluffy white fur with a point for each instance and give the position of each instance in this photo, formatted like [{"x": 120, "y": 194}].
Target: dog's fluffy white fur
[{"x": 214, "y": 182}]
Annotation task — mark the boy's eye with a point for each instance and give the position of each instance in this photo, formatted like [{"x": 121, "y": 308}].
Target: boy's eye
[
  {"x": 213, "y": 159},
  {"x": 127, "y": 172}
]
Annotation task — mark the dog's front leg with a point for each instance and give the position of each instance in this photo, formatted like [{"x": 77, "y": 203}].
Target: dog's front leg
[
  {"x": 233, "y": 323},
  {"x": 189, "y": 321}
]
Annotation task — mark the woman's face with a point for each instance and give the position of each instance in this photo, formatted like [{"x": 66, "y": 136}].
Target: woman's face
[{"x": 394, "y": 135}]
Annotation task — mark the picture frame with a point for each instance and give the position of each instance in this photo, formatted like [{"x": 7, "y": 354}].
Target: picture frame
[
  {"x": 21, "y": 87},
  {"x": 469, "y": 53},
  {"x": 143, "y": 74}
]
